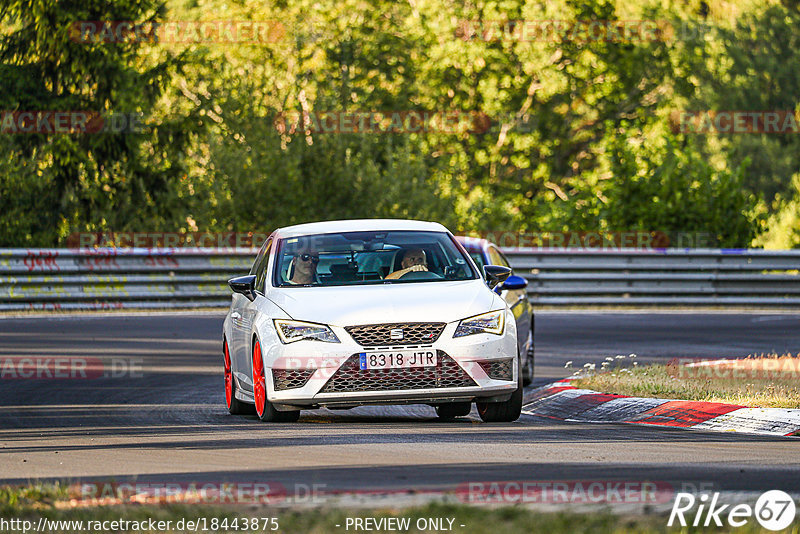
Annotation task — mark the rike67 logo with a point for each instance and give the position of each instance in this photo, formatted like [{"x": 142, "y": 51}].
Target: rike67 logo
[{"x": 774, "y": 510}]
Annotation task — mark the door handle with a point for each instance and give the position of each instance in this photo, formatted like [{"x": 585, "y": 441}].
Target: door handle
[{"x": 236, "y": 315}]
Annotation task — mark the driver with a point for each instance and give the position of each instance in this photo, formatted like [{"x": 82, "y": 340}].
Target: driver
[
  {"x": 413, "y": 260},
  {"x": 305, "y": 269}
]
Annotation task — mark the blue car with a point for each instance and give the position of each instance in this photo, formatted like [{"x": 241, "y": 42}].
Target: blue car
[{"x": 513, "y": 291}]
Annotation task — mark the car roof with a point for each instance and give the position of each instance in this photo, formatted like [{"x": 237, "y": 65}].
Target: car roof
[
  {"x": 358, "y": 225},
  {"x": 473, "y": 243}
]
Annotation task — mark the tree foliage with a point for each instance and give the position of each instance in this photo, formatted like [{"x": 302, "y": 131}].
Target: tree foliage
[
  {"x": 73, "y": 182},
  {"x": 579, "y": 135}
]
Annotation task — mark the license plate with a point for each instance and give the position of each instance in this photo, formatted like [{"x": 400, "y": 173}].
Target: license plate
[{"x": 397, "y": 359}]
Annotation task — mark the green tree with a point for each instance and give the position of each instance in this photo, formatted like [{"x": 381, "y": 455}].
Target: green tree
[
  {"x": 668, "y": 187},
  {"x": 579, "y": 138},
  {"x": 123, "y": 180},
  {"x": 751, "y": 65}
]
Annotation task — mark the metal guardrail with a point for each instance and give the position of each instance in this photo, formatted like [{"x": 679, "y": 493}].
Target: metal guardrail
[
  {"x": 101, "y": 279},
  {"x": 684, "y": 277},
  {"x": 87, "y": 279}
]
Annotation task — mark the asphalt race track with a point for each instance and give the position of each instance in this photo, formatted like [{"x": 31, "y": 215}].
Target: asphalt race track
[{"x": 165, "y": 420}]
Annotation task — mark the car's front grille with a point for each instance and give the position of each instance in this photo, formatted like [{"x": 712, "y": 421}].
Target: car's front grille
[
  {"x": 350, "y": 378},
  {"x": 498, "y": 369},
  {"x": 290, "y": 378},
  {"x": 395, "y": 334}
]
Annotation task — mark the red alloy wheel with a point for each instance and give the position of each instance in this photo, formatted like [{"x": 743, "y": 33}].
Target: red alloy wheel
[
  {"x": 228, "y": 377},
  {"x": 259, "y": 382}
]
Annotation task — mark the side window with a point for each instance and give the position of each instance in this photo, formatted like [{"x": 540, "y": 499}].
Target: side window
[
  {"x": 505, "y": 260},
  {"x": 260, "y": 265},
  {"x": 496, "y": 258},
  {"x": 259, "y": 258}
]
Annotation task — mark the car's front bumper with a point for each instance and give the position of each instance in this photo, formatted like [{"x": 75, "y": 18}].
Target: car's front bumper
[{"x": 328, "y": 359}]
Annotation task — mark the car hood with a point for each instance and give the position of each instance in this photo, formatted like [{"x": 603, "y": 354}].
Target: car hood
[{"x": 387, "y": 303}]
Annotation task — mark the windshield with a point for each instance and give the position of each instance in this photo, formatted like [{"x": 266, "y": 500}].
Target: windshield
[{"x": 362, "y": 258}]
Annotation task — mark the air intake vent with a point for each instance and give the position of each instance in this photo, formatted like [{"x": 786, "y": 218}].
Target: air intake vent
[
  {"x": 498, "y": 369},
  {"x": 290, "y": 378},
  {"x": 350, "y": 378}
]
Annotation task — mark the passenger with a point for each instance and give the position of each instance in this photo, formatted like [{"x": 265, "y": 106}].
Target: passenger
[{"x": 413, "y": 260}]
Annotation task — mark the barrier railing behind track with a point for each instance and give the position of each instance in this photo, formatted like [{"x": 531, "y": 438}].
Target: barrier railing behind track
[
  {"x": 683, "y": 277},
  {"x": 189, "y": 278},
  {"x": 70, "y": 279}
]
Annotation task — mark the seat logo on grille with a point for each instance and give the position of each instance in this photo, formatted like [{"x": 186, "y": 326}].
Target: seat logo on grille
[{"x": 396, "y": 333}]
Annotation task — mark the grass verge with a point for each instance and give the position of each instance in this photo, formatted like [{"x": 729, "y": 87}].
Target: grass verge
[{"x": 765, "y": 382}]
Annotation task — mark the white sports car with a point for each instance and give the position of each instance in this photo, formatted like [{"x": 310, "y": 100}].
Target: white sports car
[{"x": 349, "y": 313}]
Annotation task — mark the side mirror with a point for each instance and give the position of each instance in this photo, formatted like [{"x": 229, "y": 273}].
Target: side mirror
[
  {"x": 496, "y": 274},
  {"x": 514, "y": 282},
  {"x": 246, "y": 285}
]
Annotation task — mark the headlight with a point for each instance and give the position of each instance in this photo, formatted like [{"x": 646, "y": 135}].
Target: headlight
[
  {"x": 291, "y": 331},
  {"x": 486, "y": 323}
]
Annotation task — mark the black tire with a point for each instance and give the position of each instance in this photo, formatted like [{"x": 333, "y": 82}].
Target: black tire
[
  {"x": 452, "y": 410},
  {"x": 235, "y": 406},
  {"x": 503, "y": 412},
  {"x": 271, "y": 415},
  {"x": 528, "y": 366},
  {"x": 238, "y": 407}
]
